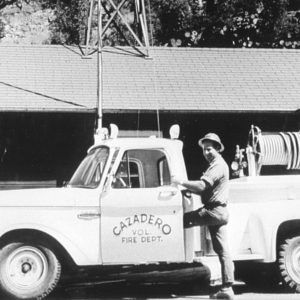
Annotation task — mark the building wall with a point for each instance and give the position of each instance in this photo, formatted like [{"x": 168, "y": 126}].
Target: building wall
[
  {"x": 43, "y": 146},
  {"x": 49, "y": 146}
]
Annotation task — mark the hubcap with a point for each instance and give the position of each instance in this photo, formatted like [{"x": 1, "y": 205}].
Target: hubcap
[
  {"x": 26, "y": 267},
  {"x": 295, "y": 263}
]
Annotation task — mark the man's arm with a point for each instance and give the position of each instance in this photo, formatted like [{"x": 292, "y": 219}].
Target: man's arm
[{"x": 195, "y": 186}]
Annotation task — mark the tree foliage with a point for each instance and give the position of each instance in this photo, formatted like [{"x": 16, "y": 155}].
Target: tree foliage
[
  {"x": 191, "y": 23},
  {"x": 4, "y": 3},
  {"x": 170, "y": 19},
  {"x": 69, "y": 24},
  {"x": 228, "y": 23}
]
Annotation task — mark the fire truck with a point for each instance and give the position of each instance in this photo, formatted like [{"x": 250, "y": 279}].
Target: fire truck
[{"x": 120, "y": 210}]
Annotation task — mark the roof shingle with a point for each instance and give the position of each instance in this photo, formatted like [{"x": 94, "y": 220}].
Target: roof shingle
[{"x": 57, "y": 78}]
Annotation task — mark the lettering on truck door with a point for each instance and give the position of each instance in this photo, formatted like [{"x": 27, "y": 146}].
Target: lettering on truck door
[{"x": 141, "y": 213}]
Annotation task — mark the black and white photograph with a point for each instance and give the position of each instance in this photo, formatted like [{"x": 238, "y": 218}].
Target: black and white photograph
[{"x": 149, "y": 149}]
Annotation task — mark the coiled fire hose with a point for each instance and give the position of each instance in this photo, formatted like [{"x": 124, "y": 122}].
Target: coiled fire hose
[{"x": 276, "y": 148}]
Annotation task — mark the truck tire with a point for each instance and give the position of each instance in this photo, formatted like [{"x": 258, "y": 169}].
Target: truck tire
[
  {"x": 289, "y": 263},
  {"x": 28, "y": 271}
]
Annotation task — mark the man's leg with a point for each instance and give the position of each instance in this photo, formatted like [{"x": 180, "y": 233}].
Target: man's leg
[
  {"x": 220, "y": 245},
  {"x": 216, "y": 221},
  {"x": 203, "y": 216}
]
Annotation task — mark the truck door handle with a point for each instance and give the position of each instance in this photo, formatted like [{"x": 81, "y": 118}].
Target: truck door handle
[
  {"x": 89, "y": 215},
  {"x": 166, "y": 195}
]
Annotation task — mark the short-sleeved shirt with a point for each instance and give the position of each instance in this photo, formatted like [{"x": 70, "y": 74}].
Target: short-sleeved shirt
[{"x": 217, "y": 178}]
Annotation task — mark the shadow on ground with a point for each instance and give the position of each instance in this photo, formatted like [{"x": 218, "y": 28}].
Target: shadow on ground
[{"x": 123, "y": 290}]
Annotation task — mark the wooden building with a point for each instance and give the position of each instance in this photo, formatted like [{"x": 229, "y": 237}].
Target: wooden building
[{"x": 48, "y": 100}]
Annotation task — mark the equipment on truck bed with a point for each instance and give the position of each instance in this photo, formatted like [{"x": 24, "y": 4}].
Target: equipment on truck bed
[{"x": 268, "y": 149}]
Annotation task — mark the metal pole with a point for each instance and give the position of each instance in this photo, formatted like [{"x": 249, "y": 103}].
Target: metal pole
[
  {"x": 99, "y": 68},
  {"x": 87, "y": 46}
]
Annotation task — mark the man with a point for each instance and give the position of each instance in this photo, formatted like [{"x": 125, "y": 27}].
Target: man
[{"x": 213, "y": 188}]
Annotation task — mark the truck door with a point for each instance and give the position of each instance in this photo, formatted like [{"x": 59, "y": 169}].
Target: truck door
[{"x": 141, "y": 213}]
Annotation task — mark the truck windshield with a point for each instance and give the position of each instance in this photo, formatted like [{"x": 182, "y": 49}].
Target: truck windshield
[{"x": 89, "y": 172}]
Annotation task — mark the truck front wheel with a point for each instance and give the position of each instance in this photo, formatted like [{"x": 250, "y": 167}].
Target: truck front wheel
[
  {"x": 28, "y": 271},
  {"x": 289, "y": 263}
]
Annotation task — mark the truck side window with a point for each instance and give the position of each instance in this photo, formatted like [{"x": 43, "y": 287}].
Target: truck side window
[{"x": 142, "y": 169}]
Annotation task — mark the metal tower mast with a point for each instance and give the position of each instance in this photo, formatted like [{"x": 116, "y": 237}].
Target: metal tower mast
[{"x": 107, "y": 13}]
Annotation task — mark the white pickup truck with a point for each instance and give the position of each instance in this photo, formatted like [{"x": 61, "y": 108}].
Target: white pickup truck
[{"x": 120, "y": 208}]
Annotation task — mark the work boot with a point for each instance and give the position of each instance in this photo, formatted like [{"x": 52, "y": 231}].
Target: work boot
[{"x": 223, "y": 293}]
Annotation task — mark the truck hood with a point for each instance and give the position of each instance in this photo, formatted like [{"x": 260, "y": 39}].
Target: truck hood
[
  {"x": 43, "y": 197},
  {"x": 264, "y": 188}
]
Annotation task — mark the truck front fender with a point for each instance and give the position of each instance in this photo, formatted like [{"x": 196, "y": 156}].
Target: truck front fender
[{"x": 29, "y": 231}]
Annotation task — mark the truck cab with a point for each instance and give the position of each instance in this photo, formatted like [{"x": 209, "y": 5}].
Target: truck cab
[{"x": 141, "y": 213}]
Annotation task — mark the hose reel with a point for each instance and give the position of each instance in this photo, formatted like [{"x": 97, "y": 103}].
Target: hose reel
[{"x": 275, "y": 148}]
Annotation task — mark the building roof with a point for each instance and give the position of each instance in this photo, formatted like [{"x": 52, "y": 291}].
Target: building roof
[{"x": 58, "y": 78}]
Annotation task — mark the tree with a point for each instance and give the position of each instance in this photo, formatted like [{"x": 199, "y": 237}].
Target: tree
[
  {"x": 289, "y": 32},
  {"x": 68, "y": 25},
  {"x": 189, "y": 23},
  {"x": 236, "y": 23},
  {"x": 170, "y": 19},
  {"x": 4, "y": 3},
  {"x": 71, "y": 21}
]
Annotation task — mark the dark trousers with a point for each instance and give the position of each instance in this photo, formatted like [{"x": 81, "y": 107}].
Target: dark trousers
[{"x": 216, "y": 220}]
